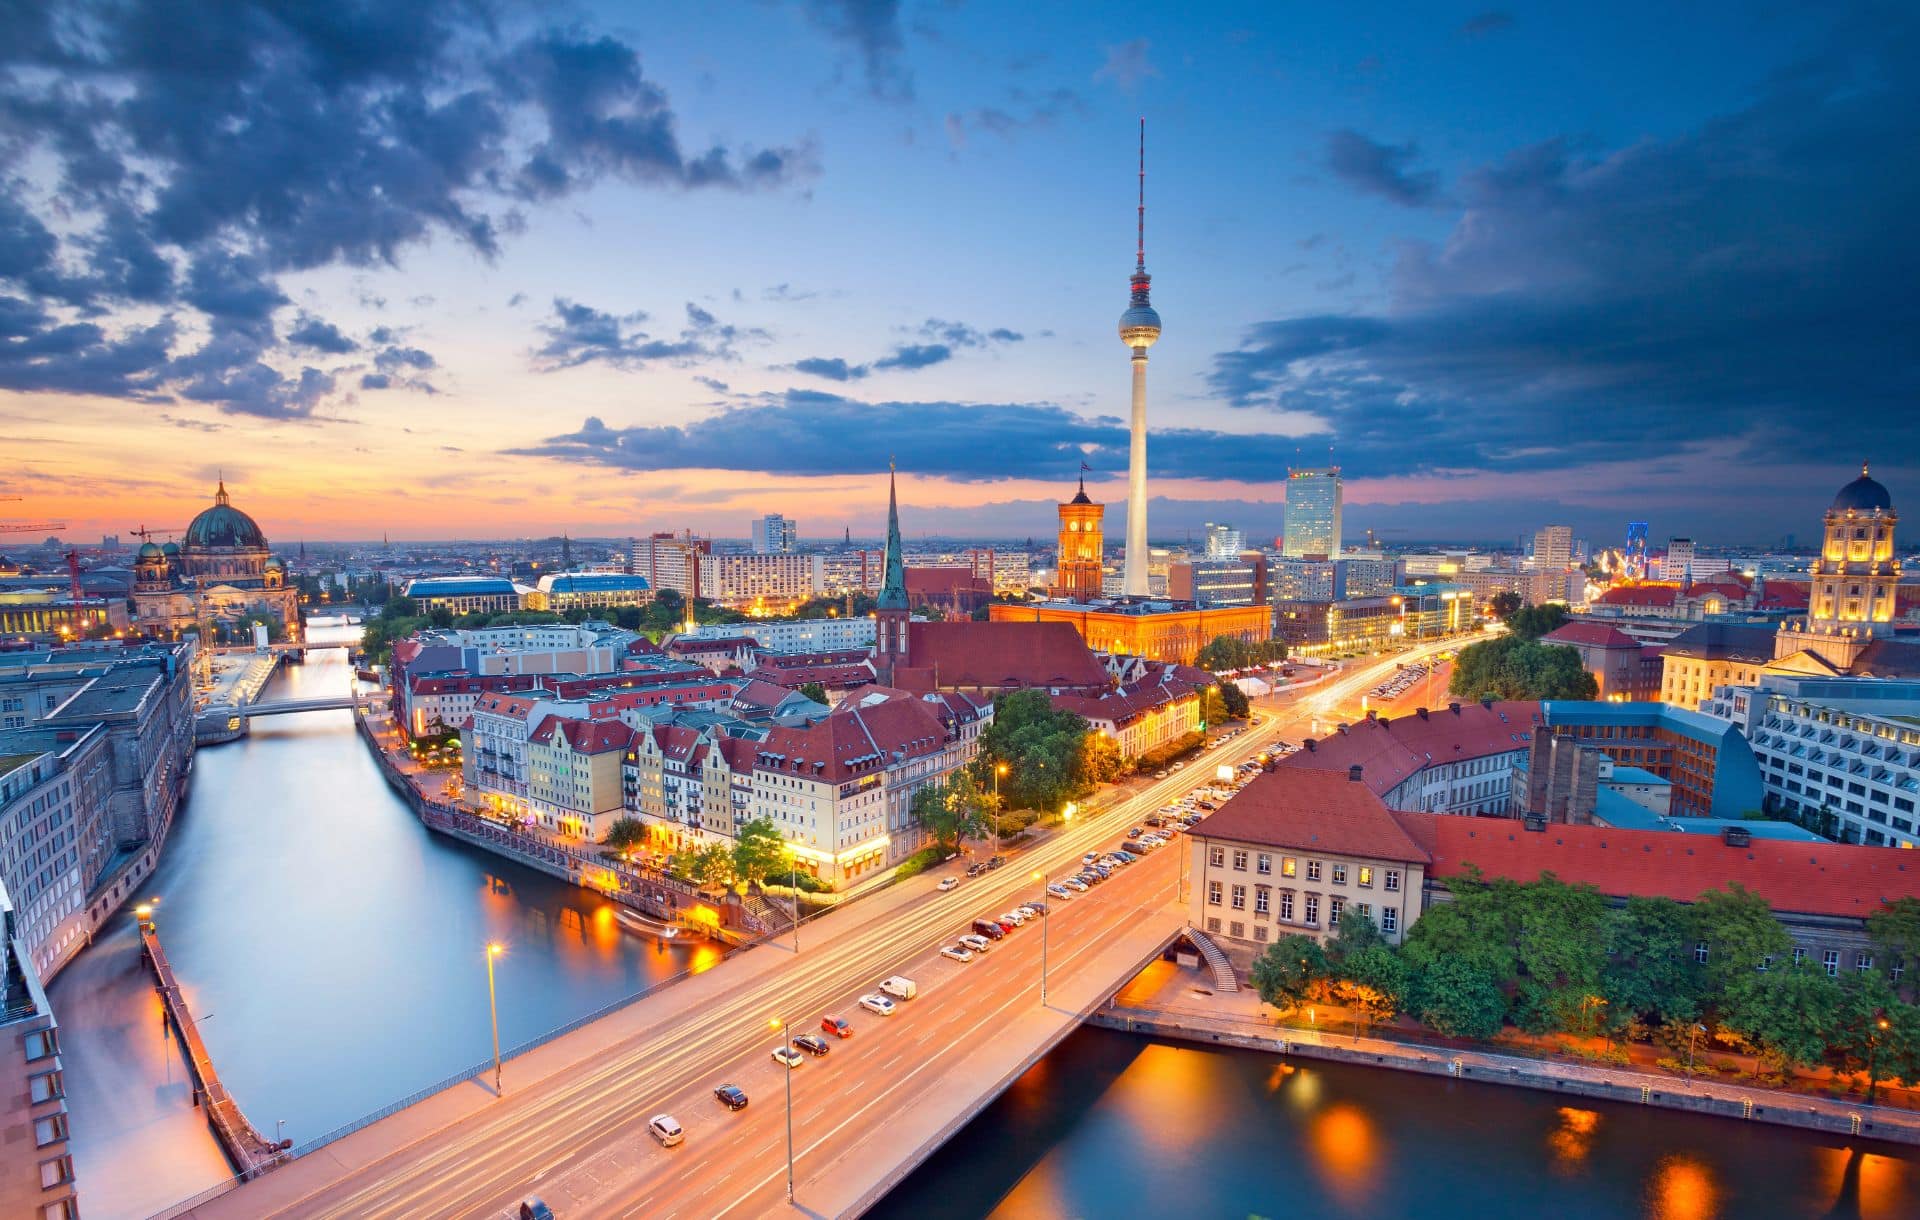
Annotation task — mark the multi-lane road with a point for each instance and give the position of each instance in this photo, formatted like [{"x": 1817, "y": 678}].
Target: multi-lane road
[{"x": 576, "y": 1135}]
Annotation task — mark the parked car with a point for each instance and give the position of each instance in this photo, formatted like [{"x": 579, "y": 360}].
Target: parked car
[
  {"x": 1035, "y": 908},
  {"x": 878, "y": 1005},
  {"x": 813, "y": 1044},
  {"x": 1059, "y": 890},
  {"x": 1075, "y": 884},
  {"x": 1159, "y": 775},
  {"x": 732, "y": 1096},
  {"x": 787, "y": 1057},
  {"x": 996, "y": 861},
  {"x": 974, "y": 870},
  {"x": 958, "y": 953},
  {"x": 900, "y": 987},
  {"x": 989, "y": 928},
  {"x": 1179, "y": 766},
  {"x": 1135, "y": 833},
  {"x": 1090, "y": 857},
  {"x": 948, "y": 883},
  {"x": 839, "y": 1027},
  {"x": 534, "y": 1208},
  {"x": 976, "y": 942},
  {"x": 666, "y": 1129}
]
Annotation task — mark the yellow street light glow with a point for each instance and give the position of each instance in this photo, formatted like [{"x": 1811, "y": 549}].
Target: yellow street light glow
[
  {"x": 495, "y": 949},
  {"x": 775, "y": 1023},
  {"x": 1035, "y": 875},
  {"x": 143, "y": 910}
]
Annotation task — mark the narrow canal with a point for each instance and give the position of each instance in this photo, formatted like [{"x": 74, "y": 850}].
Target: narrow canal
[
  {"x": 1111, "y": 1124},
  {"x": 332, "y": 949}
]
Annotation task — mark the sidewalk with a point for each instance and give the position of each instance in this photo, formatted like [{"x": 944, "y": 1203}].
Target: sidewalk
[{"x": 1169, "y": 1001}]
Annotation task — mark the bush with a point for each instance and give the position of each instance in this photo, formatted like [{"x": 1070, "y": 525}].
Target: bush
[
  {"x": 919, "y": 862},
  {"x": 1178, "y": 748}
]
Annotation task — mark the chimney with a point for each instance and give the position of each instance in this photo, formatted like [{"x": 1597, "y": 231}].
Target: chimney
[
  {"x": 1422, "y": 712},
  {"x": 1486, "y": 701},
  {"x": 1737, "y": 836},
  {"x": 1372, "y": 714},
  {"x": 1311, "y": 745},
  {"x": 1384, "y": 722},
  {"x": 1354, "y": 773},
  {"x": 1454, "y": 708},
  {"x": 1537, "y": 822}
]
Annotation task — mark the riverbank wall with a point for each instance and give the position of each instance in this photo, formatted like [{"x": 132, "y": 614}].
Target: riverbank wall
[{"x": 1572, "y": 1080}]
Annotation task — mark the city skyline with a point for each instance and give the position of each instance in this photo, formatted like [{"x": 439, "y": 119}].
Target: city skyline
[{"x": 361, "y": 359}]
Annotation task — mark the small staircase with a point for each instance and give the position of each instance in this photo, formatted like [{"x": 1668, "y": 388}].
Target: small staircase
[
  {"x": 1223, "y": 976},
  {"x": 772, "y": 915}
]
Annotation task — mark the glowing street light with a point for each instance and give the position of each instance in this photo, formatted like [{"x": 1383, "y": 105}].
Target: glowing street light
[
  {"x": 1045, "y": 920},
  {"x": 786, "y": 1032},
  {"x": 494, "y": 949}
]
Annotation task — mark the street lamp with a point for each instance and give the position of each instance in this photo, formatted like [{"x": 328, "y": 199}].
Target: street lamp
[
  {"x": 1045, "y": 920},
  {"x": 494, "y": 949},
  {"x": 793, "y": 882},
  {"x": 1881, "y": 1026},
  {"x": 788, "y": 1034},
  {"x": 999, "y": 769},
  {"x": 1692, "y": 1036}
]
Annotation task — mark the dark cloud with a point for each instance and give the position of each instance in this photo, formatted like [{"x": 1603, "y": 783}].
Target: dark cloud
[
  {"x": 375, "y": 381},
  {"x": 393, "y": 358},
  {"x": 580, "y": 334},
  {"x": 195, "y": 154},
  {"x": 1381, "y": 169},
  {"x": 807, "y": 432},
  {"x": 944, "y": 339},
  {"x": 833, "y": 368},
  {"x": 872, "y": 28},
  {"x": 321, "y": 336},
  {"x": 1490, "y": 22},
  {"x": 1748, "y": 283},
  {"x": 915, "y": 356}
]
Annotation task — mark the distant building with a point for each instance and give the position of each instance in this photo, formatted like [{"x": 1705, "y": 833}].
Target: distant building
[
  {"x": 670, "y": 561},
  {"x": 1622, "y": 667},
  {"x": 777, "y": 581},
  {"x": 1081, "y": 562},
  {"x": 1678, "y": 563},
  {"x": 1159, "y": 630},
  {"x": 1455, "y": 759},
  {"x": 468, "y": 594},
  {"x": 1161, "y": 707},
  {"x": 774, "y": 534},
  {"x": 1224, "y": 541},
  {"x": 559, "y": 591},
  {"x": 799, "y": 635},
  {"x": 1707, "y": 656},
  {"x": 1313, "y": 513},
  {"x": 1358, "y": 624},
  {"x": 1208, "y": 583},
  {"x": 219, "y": 573}
]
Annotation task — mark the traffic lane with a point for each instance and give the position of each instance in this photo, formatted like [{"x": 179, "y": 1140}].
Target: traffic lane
[{"x": 925, "y": 1033}]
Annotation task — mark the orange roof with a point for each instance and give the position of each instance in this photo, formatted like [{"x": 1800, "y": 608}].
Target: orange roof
[
  {"x": 1391, "y": 749},
  {"x": 1590, "y": 635},
  {"x": 1309, "y": 810},
  {"x": 1000, "y": 656},
  {"x": 1831, "y": 879}
]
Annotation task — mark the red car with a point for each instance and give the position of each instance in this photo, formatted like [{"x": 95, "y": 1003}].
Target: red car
[{"x": 837, "y": 1026}]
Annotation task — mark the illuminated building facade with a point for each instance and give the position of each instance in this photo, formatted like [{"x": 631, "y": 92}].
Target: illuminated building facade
[
  {"x": 1157, "y": 630},
  {"x": 1313, "y": 513},
  {"x": 1081, "y": 541}
]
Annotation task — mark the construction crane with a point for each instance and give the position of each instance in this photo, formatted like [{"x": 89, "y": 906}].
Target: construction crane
[
  {"x": 30, "y": 527},
  {"x": 146, "y": 535}
]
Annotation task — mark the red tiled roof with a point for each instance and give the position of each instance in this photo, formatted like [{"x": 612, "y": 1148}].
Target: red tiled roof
[
  {"x": 1590, "y": 635},
  {"x": 596, "y": 736},
  {"x": 944, "y": 582},
  {"x": 1832, "y": 879},
  {"x": 1123, "y": 705},
  {"x": 1641, "y": 595},
  {"x": 1000, "y": 656},
  {"x": 839, "y": 676},
  {"x": 1310, "y": 810},
  {"x": 1389, "y": 750},
  {"x": 862, "y": 736}
]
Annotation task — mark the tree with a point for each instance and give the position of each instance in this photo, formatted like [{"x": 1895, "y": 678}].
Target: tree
[
  {"x": 1229, "y": 652},
  {"x": 1791, "y": 1011},
  {"x": 1373, "y": 980},
  {"x": 1511, "y": 667},
  {"x": 760, "y": 850},
  {"x": 1041, "y": 746},
  {"x": 955, "y": 810},
  {"x": 1288, "y": 970},
  {"x": 1233, "y": 700},
  {"x": 1503, "y": 603},
  {"x": 712, "y": 866},
  {"x": 625, "y": 834},
  {"x": 1895, "y": 932},
  {"x": 1100, "y": 760},
  {"x": 1532, "y": 622},
  {"x": 1649, "y": 972},
  {"x": 813, "y": 691},
  {"x": 1741, "y": 936},
  {"x": 1561, "y": 952},
  {"x": 1457, "y": 996},
  {"x": 1357, "y": 933}
]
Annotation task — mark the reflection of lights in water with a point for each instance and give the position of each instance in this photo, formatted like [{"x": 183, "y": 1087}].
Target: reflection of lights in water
[
  {"x": 1682, "y": 1188},
  {"x": 1572, "y": 1140},
  {"x": 1883, "y": 1186},
  {"x": 1345, "y": 1151},
  {"x": 704, "y": 957},
  {"x": 1278, "y": 1076},
  {"x": 1304, "y": 1094}
]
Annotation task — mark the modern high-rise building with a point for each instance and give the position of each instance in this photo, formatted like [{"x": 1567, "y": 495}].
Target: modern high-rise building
[
  {"x": 1081, "y": 533},
  {"x": 1679, "y": 562},
  {"x": 1553, "y": 546},
  {"x": 774, "y": 534},
  {"x": 1224, "y": 541},
  {"x": 1139, "y": 330},
  {"x": 1313, "y": 513},
  {"x": 671, "y": 562},
  {"x": 1635, "y": 555}
]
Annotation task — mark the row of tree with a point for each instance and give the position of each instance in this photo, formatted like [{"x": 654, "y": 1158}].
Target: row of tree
[
  {"x": 1548, "y": 957},
  {"x": 758, "y": 852},
  {"x": 1517, "y": 665}
]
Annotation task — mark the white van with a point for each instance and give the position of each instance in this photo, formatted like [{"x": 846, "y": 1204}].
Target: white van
[{"x": 900, "y": 987}]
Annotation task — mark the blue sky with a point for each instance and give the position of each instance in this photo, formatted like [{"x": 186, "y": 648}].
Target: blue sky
[{"x": 472, "y": 267}]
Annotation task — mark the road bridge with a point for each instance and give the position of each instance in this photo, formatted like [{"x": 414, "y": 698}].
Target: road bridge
[{"x": 570, "y": 1122}]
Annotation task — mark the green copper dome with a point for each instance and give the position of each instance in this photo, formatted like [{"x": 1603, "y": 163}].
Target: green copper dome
[{"x": 224, "y": 526}]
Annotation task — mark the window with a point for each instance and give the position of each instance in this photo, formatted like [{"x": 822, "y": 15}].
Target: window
[
  {"x": 46, "y": 1087},
  {"x": 1289, "y": 866},
  {"x": 1799, "y": 955},
  {"x": 1239, "y": 860},
  {"x": 1700, "y": 953},
  {"x": 1898, "y": 969},
  {"x": 41, "y": 1043},
  {"x": 1389, "y": 920},
  {"x": 1259, "y": 931},
  {"x": 1313, "y": 909},
  {"x": 1365, "y": 909},
  {"x": 1333, "y": 910},
  {"x": 1313, "y": 870},
  {"x": 1239, "y": 897},
  {"x": 1862, "y": 962},
  {"x": 56, "y": 1172},
  {"x": 1831, "y": 960},
  {"x": 1286, "y": 906},
  {"x": 1392, "y": 880},
  {"x": 1366, "y": 875},
  {"x": 1237, "y": 930},
  {"x": 61, "y": 1209},
  {"x": 1213, "y": 923},
  {"x": 1213, "y": 893},
  {"x": 1339, "y": 874},
  {"x": 1217, "y": 857},
  {"x": 1262, "y": 900},
  {"x": 50, "y": 1130},
  {"x": 1263, "y": 863}
]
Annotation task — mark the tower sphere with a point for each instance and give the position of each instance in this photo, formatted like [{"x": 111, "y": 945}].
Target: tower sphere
[{"x": 1139, "y": 326}]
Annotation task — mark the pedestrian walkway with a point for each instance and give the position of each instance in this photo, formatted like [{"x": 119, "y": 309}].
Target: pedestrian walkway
[{"x": 1223, "y": 976}]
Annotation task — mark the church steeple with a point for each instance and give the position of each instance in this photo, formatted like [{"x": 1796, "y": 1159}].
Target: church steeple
[{"x": 893, "y": 581}]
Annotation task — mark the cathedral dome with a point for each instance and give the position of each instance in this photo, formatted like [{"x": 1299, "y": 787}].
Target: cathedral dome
[
  {"x": 223, "y": 525},
  {"x": 151, "y": 550},
  {"x": 170, "y": 549},
  {"x": 1863, "y": 495}
]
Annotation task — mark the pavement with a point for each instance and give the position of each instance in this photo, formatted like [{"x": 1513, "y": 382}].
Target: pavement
[{"x": 570, "y": 1123}]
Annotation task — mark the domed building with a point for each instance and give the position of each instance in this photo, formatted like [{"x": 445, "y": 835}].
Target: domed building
[
  {"x": 1851, "y": 603},
  {"x": 221, "y": 572}
]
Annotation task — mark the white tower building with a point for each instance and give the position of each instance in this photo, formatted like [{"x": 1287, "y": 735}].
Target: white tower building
[{"x": 1139, "y": 328}]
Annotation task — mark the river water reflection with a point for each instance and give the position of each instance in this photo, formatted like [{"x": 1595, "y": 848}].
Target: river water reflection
[
  {"x": 1111, "y": 1125},
  {"x": 332, "y": 949}
]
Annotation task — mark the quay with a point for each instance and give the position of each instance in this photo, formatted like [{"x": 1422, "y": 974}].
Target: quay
[{"x": 252, "y": 1154}]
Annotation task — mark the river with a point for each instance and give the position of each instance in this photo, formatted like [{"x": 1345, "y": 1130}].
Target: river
[
  {"x": 1111, "y": 1124},
  {"x": 332, "y": 949}
]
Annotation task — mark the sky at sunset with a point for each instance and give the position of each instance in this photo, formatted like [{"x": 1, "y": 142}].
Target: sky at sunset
[{"x": 457, "y": 268}]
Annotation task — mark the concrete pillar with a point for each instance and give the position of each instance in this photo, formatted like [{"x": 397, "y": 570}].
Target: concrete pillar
[{"x": 1134, "y": 572}]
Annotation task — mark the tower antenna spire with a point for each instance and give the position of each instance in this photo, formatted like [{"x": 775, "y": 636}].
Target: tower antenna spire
[{"x": 1140, "y": 247}]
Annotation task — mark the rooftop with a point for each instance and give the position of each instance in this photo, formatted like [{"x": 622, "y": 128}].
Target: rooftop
[
  {"x": 1390, "y": 749},
  {"x": 1312, "y": 810}
]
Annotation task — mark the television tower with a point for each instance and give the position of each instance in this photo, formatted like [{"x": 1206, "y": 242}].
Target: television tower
[{"x": 1139, "y": 327}]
